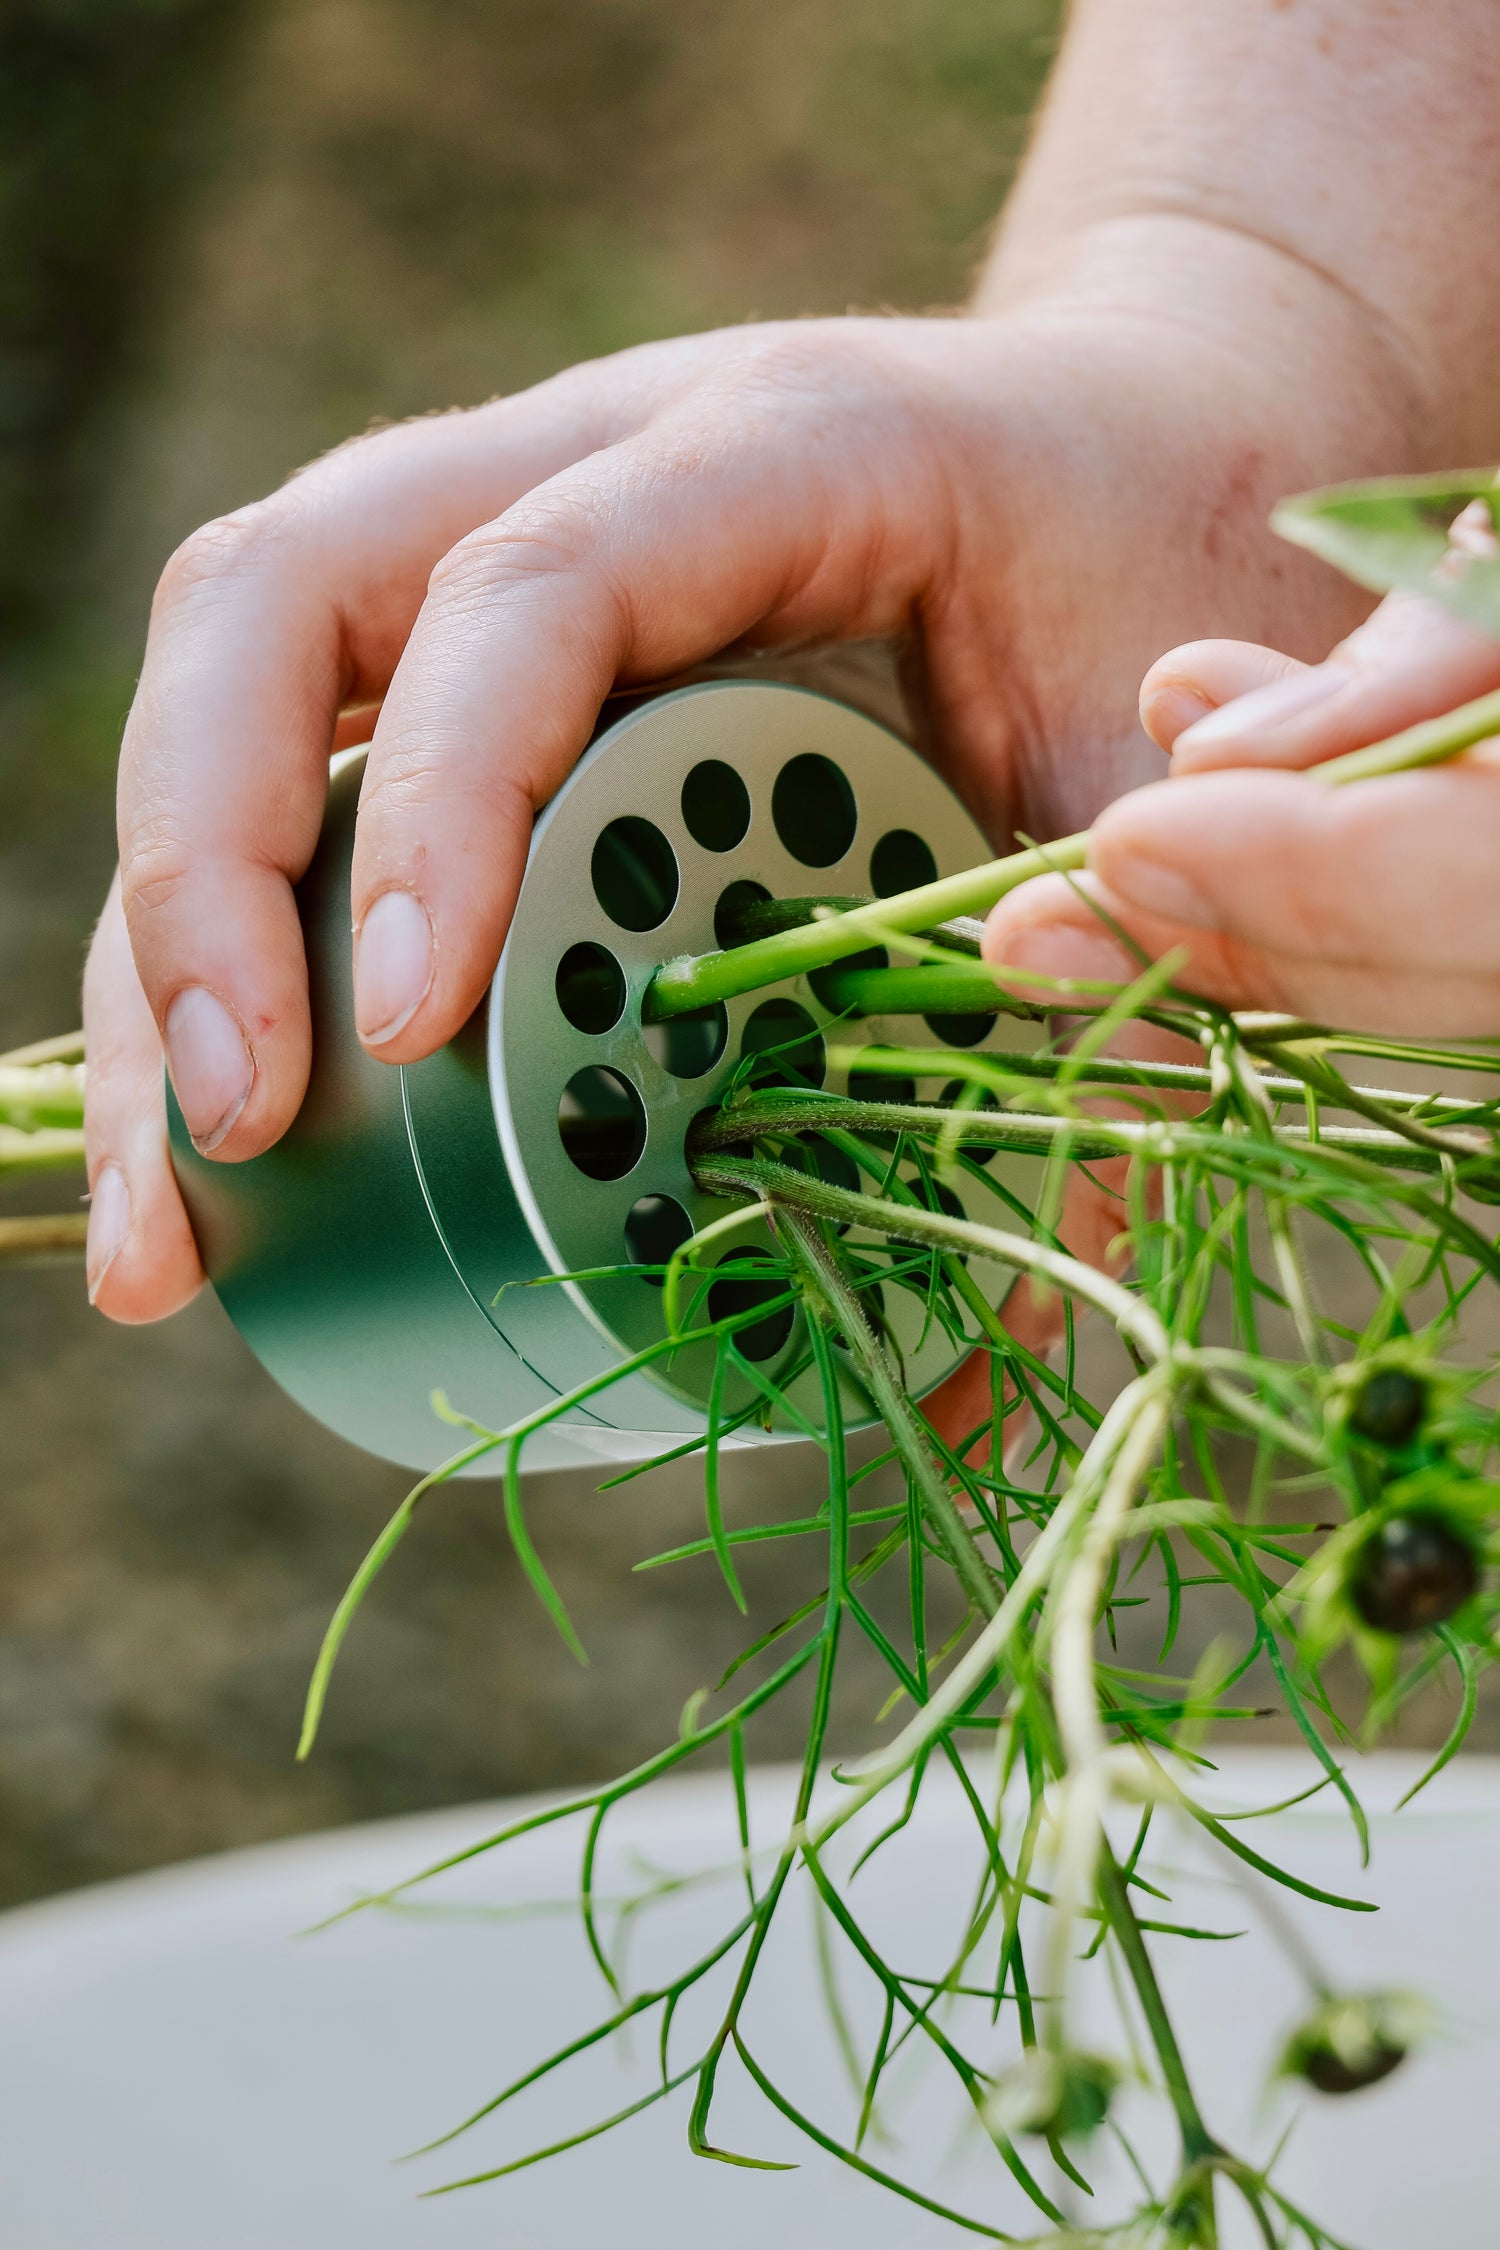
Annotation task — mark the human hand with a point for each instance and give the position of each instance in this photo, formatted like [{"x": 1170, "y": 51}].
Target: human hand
[
  {"x": 1372, "y": 907},
  {"x": 466, "y": 590}
]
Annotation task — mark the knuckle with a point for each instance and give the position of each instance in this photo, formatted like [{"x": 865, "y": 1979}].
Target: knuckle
[
  {"x": 406, "y": 780},
  {"x": 154, "y": 875},
  {"x": 223, "y": 551},
  {"x": 802, "y": 360},
  {"x": 549, "y": 535}
]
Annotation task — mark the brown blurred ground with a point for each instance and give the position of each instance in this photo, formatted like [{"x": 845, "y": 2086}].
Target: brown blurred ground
[{"x": 230, "y": 235}]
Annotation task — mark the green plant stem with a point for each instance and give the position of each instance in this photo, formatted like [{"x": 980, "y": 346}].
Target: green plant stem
[
  {"x": 46, "y": 1094},
  {"x": 66, "y": 1048},
  {"x": 1327, "y": 1085},
  {"x": 61, "y": 1234},
  {"x": 1430, "y": 743},
  {"x": 986, "y": 1067},
  {"x": 43, "y": 1151},
  {"x": 1114, "y": 1897},
  {"x": 1026, "y": 1133},
  {"x": 942, "y": 991},
  {"x": 680, "y": 986},
  {"x": 768, "y": 917},
  {"x": 842, "y": 1303},
  {"x": 784, "y": 1187}
]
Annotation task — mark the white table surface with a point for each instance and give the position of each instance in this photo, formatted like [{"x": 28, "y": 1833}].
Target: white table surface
[{"x": 180, "y": 2070}]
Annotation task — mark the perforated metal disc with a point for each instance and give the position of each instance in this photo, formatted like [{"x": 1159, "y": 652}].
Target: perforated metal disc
[
  {"x": 392, "y": 1243},
  {"x": 707, "y": 788}
]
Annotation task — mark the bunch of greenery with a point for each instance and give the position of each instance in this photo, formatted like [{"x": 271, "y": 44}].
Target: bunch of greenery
[{"x": 1367, "y": 1523}]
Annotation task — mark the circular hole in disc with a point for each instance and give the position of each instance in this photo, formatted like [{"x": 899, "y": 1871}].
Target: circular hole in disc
[
  {"x": 601, "y": 1121},
  {"x": 689, "y": 1045},
  {"x": 732, "y": 904},
  {"x": 784, "y": 1045},
  {"x": 715, "y": 806},
  {"x": 980, "y": 1152},
  {"x": 635, "y": 873},
  {"x": 825, "y": 982},
  {"x": 813, "y": 807},
  {"x": 590, "y": 988},
  {"x": 739, "y": 1291},
  {"x": 880, "y": 1085},
  {"x": 655, "y": 1226},
  {"x": 960, "y": 1031},
  {"x": 900, "y": 862}
]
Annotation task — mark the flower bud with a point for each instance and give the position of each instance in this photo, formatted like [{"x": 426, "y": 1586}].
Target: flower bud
[{"x": 1067, "y": 2094}]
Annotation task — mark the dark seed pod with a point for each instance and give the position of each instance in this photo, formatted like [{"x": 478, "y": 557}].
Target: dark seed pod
[
  {"x": 1332, "y": 2074},
  {"x": 1390, "y": 1408},
  {"x": 1414, "y": 1573},
  {"x": 1353, "y": 2040}
]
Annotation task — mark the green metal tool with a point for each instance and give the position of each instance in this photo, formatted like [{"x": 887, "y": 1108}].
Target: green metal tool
[{"x": 375, "y": 1254}]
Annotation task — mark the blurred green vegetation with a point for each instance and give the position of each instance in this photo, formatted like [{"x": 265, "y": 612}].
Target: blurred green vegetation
[{"x": 231, "y": 234}]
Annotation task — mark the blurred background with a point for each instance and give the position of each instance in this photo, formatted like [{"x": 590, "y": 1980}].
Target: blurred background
[{"x": 233, "y": 233}]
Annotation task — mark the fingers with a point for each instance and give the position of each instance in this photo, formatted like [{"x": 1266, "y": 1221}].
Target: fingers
[
  {"x": 142, "y": 1260},
  {"x": 1186, "y": 685},
  {"x": 1228, "y": 703},
  {"x": 1373, "y": 907},
  {"x": 1049, "y": 932},
  {"x": 735, "y": 513},
  {"x": 266, "y": 628}
]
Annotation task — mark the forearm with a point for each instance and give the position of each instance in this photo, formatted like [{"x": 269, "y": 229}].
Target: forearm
[{"x": 1328, "y": 171}]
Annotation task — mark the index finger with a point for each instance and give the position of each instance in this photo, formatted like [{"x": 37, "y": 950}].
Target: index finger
[{"x": 265, "y": 626}]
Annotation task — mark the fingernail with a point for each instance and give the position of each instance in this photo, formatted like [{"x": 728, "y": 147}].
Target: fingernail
[
  {"x": 212, "y": 1067},
  {"x": 109, "y": 1223},
  {"x": 1264, "y": 708},
  {"x": 392, "y": 966},
  {"x": 1159, "y": 889}
]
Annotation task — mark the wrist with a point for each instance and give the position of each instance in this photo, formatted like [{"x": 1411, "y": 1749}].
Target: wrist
[
  {"x": 1333, "y": 376},
  {"x": 1136, "y": 404}
]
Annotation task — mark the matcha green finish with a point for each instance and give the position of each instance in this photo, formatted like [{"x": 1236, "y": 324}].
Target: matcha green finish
[{"x": 324, "y": 1250}]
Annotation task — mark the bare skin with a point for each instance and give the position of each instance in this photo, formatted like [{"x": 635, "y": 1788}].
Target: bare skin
[
  {"x": 1033, "y": 500},
  {"x": 1374, "y": 908}
]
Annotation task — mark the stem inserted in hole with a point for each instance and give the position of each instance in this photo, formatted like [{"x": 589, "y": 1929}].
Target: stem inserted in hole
[
  {"x": 920, "y": 992},
  {"x": 694, "y": 982},
  {"x": 681, "y": 986}
]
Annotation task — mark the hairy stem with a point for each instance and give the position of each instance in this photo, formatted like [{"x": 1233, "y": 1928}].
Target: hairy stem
[
  {"x": 842, "y": 1304},
  {"x": 729, "y": 1175},
  {"x": 1028, "y": 1133}
]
